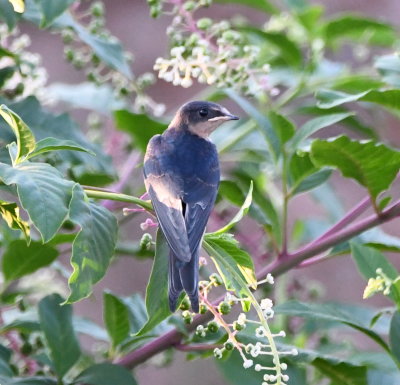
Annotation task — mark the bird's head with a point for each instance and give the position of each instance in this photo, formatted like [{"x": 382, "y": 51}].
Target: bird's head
[{"x": 201, "y": 118}]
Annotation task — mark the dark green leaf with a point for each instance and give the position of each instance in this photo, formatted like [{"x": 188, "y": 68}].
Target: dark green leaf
[
  {"x": 33, "y": 381},
  {"x": 43, "y": 192},
  {"x": 240, "y": 214},
  {"x": 139, "y": 126},
  {"x": 5, "y": 74},
  {"x": 105, "y": 374},
  {"x": 56, "y": 323},
  {"x": 54, "y": 144},
  {"x": 283, "y": 127},
  {"x": 116, "y": 318},
  {"x": 262, "y": 5},
  {"x": 304, "y": 175},
  {"x": 94, "y": 245},
  {"x": 83, "y": 167},
  {"x": 331, "y": 98},
  {"x": 157, "y": 288},
  {"x": 394, "y": 335},
  {"x": 354, "y": 27},
  {"x": 52, "y": 9},
  {"x": 371, "y": 164},
  {"x": 25, "y": 138},
  {"x": 314, "y": 125},
  {"x": 10, "y": 213},
  {"x": 231, "y": 191},
  {"x": 19, "y": 259},
  {"x": 7, "y": 14}
]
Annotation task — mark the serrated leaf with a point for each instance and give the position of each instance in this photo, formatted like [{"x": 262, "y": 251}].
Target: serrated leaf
[
  {"x": 331, "y": 98},
  {"x": 157, "y": 288},
  {"x": 52, "y": 9},
  {"x": 371, "y": 164},
  {"x": 19, "y": 259},
  {"x": 227, "y": 247},
  {"x": 139, "y": 126},
  {"x": 105, "y": 374},
  {"x": 10, "y": 213},
  {"x": 93, "y": 246},
  {"x": 116, "y": 318},
  {"x": 240, "y": 214},
  {"x": 56, "y": 324},
  {"x": 314, "y": 125},
  {"x": 394, "y": 335},
  {"x": 25, "y": 138},
  {"x": 43, "y": 192},
  {"x": 54, "y": 144}
]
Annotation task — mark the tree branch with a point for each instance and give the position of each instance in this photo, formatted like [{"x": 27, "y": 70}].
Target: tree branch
[{"x": 278, "y": 267}]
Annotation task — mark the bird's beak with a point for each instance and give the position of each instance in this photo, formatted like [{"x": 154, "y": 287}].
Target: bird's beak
[{"x": 225, "y": 117}]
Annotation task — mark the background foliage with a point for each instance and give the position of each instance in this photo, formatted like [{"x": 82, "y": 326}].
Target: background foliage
[{"x": 315, "y": 92}]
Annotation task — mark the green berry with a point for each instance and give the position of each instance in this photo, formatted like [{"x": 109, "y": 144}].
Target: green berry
[
  {"x": 203, "y": 309},
  {"x": 155, "y": 11},
  {"x": 97, "y": 9},
  {"x": 238, "y": 326},
  {"x": 212, "y": 327},
  {"x": 228, "y": 345},
  {"x": 204, "y": 23},
  {"x": 216, "y": 279},
  {"x": 224, "y": 307},
  {"x": 189, "y": 6},
  {"x": 185, "y": 304},
  {"x": 145, "y": 242},
  {"x": 187, "y": 317}
]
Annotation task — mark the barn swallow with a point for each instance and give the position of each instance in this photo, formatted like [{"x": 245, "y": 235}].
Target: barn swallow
[{"x": 181, "y": 171}]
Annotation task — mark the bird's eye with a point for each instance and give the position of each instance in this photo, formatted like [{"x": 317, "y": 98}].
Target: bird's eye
[{"x": 203, "y": 112}]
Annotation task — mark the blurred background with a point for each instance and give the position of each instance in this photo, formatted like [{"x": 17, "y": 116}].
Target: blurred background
[{"x": 145, "y": 37}]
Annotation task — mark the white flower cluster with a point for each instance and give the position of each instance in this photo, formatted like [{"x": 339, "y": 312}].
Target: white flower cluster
[{"x": 26, "y": 77}]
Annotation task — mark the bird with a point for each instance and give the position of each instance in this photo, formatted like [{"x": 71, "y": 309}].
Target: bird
[{"x": 182, "y": 176}]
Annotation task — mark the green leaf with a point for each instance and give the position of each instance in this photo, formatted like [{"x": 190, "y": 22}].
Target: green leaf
[
  {"x": 52, "y": 9},
  {"x": 34, "y": 381},
  {"x": 331, "y": 98},
  {"x": 81, "y": 166},
  {"x": 5, "y": 74},
  {"x": 225, "y": 246},
  {"x": 304, "y": 176},
  {"x": 389, "y": 67},
  {"x": 43, "y": 192},
  {"x": 289, "y": 51},
  {"x": 105, "y": 374},
  {"x": 25, "y": 138},
  {"x": 10, "y": 213},
  {"x": 356, "y": 317},
  {"x": 394, "y": 335},
  {"x": 157, "y": 288},
  {"x": 355, "y": 27},
  {"x": 90, "y": 328},
  {"x": 19, "y": 259},
  {"x": 314, "y": 125},
  {"x": 94, "y": 245},
  {"x": 116, "y": 318},
  {"x": 54, "y": 144},
  {"x": 56, "y": 323},
  {"x": 283, "y": 127},
  {"x": 240, "y": 214},
  {"x": 263, "y": 123},
  {"x": 262, "y": 5},
  {"x": 373, "y": 165},
  {"x": 7, "y": 14},
  {"x": 109, "y": 51},
  {"x": 139, "y": 126}
]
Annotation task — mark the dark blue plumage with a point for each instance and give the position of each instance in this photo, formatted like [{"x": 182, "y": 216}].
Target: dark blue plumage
[{"x": 182, "y": 175}]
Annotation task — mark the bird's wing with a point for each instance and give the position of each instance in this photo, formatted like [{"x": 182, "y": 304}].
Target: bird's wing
[{"x": 164, "y": 190}]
